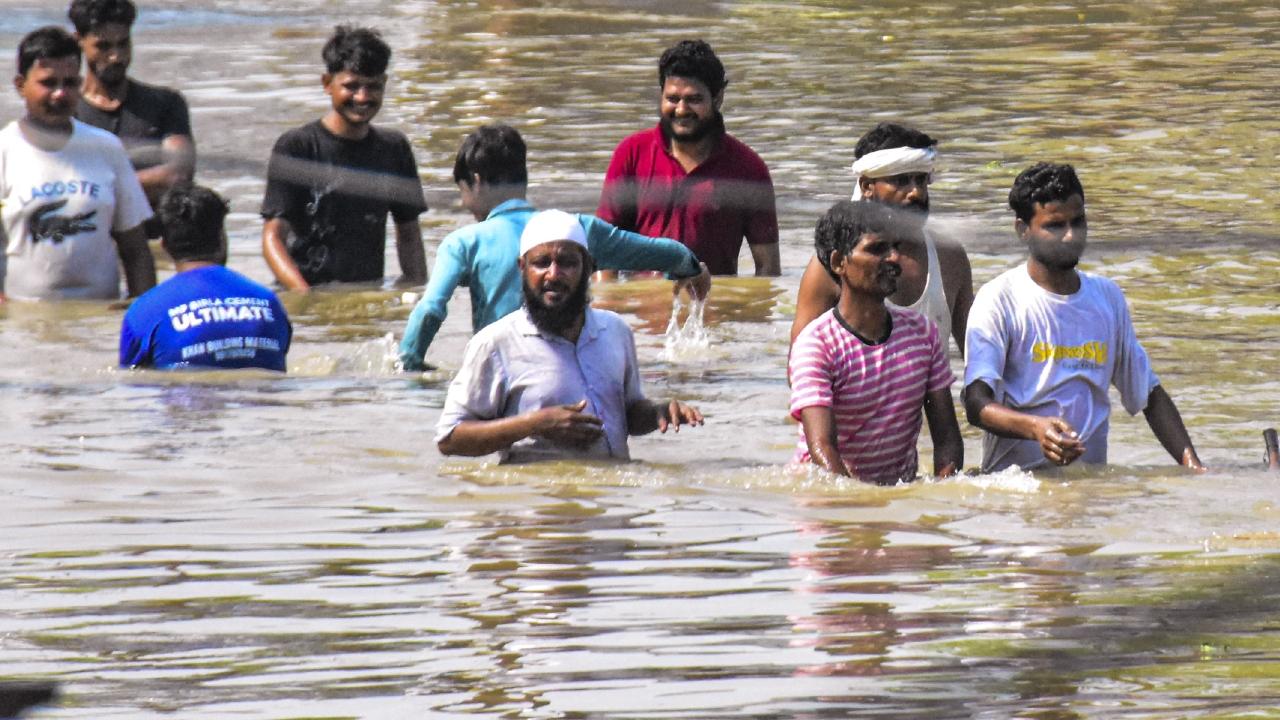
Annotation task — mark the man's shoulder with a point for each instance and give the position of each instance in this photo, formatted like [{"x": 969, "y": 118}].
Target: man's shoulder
[
  {"x": 638, "y": 142},
  {"x": 304, "y": 136},
  {"x": 388, "y": 136},
  {"x": 83, "y": 132},
  {"x": 609, "y": 320},
  {"x": 148, "y": 94},
  {"x": 1102, "y": 285},
  {"x": 743, "y": 156}
]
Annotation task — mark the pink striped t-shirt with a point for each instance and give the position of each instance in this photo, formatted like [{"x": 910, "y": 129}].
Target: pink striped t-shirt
[{"x": 876, "y": 392}]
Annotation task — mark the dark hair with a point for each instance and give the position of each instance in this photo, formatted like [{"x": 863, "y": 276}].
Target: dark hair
[
  {"x": 494, "y": 152},
  {"x": 845, "y": 224},
  {"x": 87, "y": 15},
  {"x": 1042, "y": 183},
  {"x": 891, "y": 135},
  {"x": 192, "y": 217},
  {"x": 356, "y": 49},
  {"x": 47, "y": 43},
  {"x": 693, "y": 59}
]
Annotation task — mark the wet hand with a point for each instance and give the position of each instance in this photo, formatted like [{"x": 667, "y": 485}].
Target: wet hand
[
  {"x": 675, "y": 413},
  {"x": 568, "y": 424},
  {"x": 698, "y": 286},
  {"x": 1058, "y": 441}
]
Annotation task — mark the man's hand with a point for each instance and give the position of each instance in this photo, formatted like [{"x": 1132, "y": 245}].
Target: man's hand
[
  {"x": 698, "y": 286},
  {"x": 568, "y": 424},
  {"x": 674, "y": 413},
  {"x": 1058, "y": 440}
]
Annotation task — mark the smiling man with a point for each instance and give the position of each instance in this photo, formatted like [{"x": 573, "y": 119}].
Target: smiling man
[
  {"x": 862, "y": 372},
  {"x": 557, "y": 379},
  {"x": 151, "y": 121},
  {"x": 688, "y": 178},
  {"x": 332, "y": 182},
  {"x": 70, "y": 203},
  {"x": 1045, "y": 340}
]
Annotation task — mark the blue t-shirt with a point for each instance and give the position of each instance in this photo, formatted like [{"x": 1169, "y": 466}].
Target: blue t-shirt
[{"x": 209, "y": 317}]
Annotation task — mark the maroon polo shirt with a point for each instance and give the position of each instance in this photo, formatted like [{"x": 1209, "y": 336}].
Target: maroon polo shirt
[{"x": 725, "y": 199}]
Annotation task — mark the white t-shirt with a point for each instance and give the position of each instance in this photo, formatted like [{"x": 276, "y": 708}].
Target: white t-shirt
[
  {"x": 58, "y": 210},
  {"x": 1054, "y": 356}
]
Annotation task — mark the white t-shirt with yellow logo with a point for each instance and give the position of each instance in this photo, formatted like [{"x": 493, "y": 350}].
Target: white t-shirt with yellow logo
[{"x": 1054, "y": 355}]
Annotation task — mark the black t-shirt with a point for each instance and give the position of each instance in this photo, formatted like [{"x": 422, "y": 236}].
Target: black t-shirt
[
  {"x": 147, "y": 116},
  {"x": 336, "y": 194}
]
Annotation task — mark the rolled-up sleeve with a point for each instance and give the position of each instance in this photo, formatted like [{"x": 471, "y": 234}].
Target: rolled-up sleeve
[{"x": 477, "y": 392}]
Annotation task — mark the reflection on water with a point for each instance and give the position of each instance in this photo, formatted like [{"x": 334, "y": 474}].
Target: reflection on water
[{"x": 266, "y": 546}]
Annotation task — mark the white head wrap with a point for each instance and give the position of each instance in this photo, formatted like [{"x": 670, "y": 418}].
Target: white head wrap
[
  {"x": 552, "y": 226},
  {"x": 893, "y": 161}
]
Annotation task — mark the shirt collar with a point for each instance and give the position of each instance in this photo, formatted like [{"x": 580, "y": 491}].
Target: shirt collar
[
  {"x": 508, "y": 206},
  {"x": 590, "y": 328}
]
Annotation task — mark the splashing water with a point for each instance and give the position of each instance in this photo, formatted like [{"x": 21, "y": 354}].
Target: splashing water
[{"x": 688, "y": 341}]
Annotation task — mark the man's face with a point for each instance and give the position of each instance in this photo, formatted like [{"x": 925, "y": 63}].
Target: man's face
[
  {"x": 1057, "y": 233},
  {"x": 909, "y": 191},
  {"x": 555, "y": 277},
  {"x": 50, "y": 90},
  {"x": 357, "y": 98},
  {"x": 108, "y": 49},
  {"x": 688, "y": 109},
  {"x": 871, "y": 267}
]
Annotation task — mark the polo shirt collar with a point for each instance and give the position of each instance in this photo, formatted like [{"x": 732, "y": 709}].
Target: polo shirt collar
[{"x": 509, "y": 206}]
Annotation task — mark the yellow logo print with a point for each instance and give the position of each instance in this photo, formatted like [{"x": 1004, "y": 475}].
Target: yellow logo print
[{"x": 1091, "y": 351}]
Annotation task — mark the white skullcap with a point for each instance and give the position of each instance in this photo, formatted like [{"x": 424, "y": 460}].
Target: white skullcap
[
  {"x": 895, "y": 161},
  {"x": 552, "y": 226}
]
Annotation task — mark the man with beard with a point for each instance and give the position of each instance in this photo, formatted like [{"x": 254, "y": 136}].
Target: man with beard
[
  {"x": 688, "y": 178},
  {"x": 152, "y": 121},
  {"x": 492, "y": 178},
  {"x": 557, "y": 379},
  {"x": 894, "y": 165},
  {"x": 862, "y": 372},
  {"x": 332, "y": 182},
  {"x": 1045, "y": 340},
  {"x": 70, "y": 203}
]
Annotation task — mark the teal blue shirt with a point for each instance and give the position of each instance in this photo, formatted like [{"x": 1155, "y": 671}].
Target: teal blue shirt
[{"x": 483, "y": 257}]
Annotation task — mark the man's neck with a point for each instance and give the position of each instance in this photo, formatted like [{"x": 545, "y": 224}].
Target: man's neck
[
  {"x": 338, "y": 125},
  {"x": 101, "y": 95},
  {"x": 574, "y": 331},
  {"x": 691, "y": 154},
  {"x": 499, "y": 194},
  {"x": 1058, "y": 281},
  {"x": 867, "y": 315},
  {"x": 49, "y": 138},
  {"x": 181, "y": 266}
]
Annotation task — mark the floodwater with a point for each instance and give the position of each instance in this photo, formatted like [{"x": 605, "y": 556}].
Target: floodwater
[{"x": 252, "y": 546}]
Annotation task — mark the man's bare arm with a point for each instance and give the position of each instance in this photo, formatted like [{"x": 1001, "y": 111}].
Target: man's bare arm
[
  {"x": 412, "y": 255},
  {"x": 818, "y": 294},
  {"x": 275, "y": 249},
  {"x": 179, "y": 166},
  {"x": 562, "y": 423},
  {"x": 948, "y": 446},
  {"x": 135, "y": 256},
  {"x": 1058, "y": 441},
  {"x": 1166, "y": 422},
  {"x": 819, "y": 425},
  {"x": 768, "y": 261}
]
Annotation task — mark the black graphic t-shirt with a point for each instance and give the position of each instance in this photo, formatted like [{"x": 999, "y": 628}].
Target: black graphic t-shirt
[{"x": 336, "y": 194}]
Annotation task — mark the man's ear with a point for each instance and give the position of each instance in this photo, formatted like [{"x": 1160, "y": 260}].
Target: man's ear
[
  {"x": 520, "y": 263},
  {"x": 18, "y": 81},
  {"x": 325, "y": 79},
  {"x": 836, "y": 261},
  {"x": 1020, "y": 228},
  {"x": 864, "y": 186},
  {"x": 718, "y": 100}
]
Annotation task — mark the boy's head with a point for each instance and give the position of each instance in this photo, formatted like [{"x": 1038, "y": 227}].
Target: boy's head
[
  {"x": 192, "y": 217},
  {"x": 48, "y": 76}
]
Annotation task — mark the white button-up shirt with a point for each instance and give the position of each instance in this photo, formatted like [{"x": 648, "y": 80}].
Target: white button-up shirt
[{"x": 510, "y": 368}]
